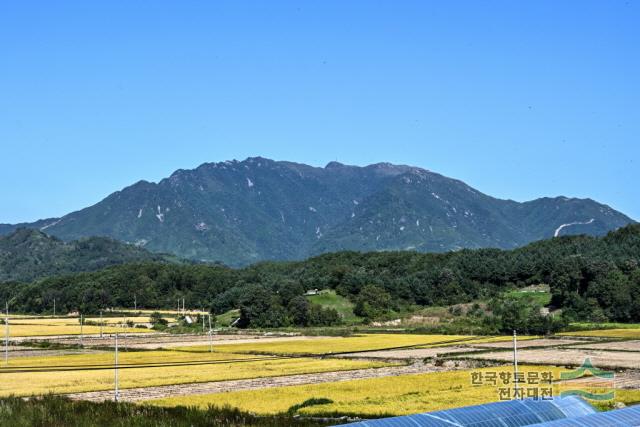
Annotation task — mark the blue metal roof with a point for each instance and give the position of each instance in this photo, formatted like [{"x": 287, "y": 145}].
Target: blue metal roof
[
  {"x": 627, "y": 417},
  {"x": 512, "y": 413}
]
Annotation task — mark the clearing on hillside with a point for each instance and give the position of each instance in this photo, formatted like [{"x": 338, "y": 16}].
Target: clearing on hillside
[{"x": 344, "y": 307}]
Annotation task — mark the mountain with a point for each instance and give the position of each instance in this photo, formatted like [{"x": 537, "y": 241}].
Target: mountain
[
  {"x": 240, "y": 212},
  {"x": 28, "y": 254}
]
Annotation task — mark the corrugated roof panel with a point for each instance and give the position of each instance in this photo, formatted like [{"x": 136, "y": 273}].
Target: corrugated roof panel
[
  {"x": 573, "y": 406},
  {"x": 545, "y": 410},
  {"x": 627, "y": 417},
  {"x": 512, "y": 413}
]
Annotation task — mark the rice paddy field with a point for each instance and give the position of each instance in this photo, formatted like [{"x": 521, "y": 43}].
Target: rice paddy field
[
  {"x": 334, "y": 345},
  {"x": 371, "y": 397},
  {"x": 94, "y": 372},
  {"x": 31, "y": 326},
  {"x": 74, "y": 321},
  {"x": 165, "y": 312},
  {"x": 621, "y": 333},
  {"x": 367, "y": 374},
  {"x": 37, "y": 330}
]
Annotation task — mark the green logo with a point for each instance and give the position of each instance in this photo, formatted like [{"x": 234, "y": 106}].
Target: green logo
[{"x": 595, "y": 384}]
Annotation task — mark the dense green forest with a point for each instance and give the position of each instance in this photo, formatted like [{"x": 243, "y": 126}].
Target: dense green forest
[
  {"x": 27, "y": 255},
  {"x": 590, "y": 278}
]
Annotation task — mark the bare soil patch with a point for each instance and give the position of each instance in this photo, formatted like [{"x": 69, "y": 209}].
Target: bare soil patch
[
  {"x": 25, "y": 351},
  {"x": 620, "y": 345},
  {"x": 566, "y": 356},
  {"x": 629, "y": 380}
]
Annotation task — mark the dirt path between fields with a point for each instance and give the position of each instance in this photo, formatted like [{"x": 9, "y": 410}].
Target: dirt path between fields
[{"x": 148, "y": 393}]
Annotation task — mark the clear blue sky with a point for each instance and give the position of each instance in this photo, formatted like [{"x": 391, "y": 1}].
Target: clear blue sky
[{"x": 519, "y": 99}]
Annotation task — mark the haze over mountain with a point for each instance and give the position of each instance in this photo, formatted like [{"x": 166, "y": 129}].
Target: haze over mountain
[{"x": 240, "y": 212}]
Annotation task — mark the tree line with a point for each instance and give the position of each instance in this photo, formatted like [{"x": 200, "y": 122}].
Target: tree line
[{"x": 590, "y": 278}]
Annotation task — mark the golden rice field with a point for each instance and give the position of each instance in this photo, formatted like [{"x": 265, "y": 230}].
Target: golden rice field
[
  {"x": 373, "y": 397},
  {"x": 166, "y": 312},
  {"x": 124, "y": 357},
  {"x": 33, "y": 330},
  {"x": 485, "y": 340},
  {"x": 626, "y": 396},
  {"x": 29, "y": 326},
  {"x": 227, "y": 367},
  {"x": 332, "y": 344},
  {"x": 606, "y": 333},
  {"x": 120, "y": 320},
  {"x": 74, "y": 321},
  {"x": 482, "y": 340}
]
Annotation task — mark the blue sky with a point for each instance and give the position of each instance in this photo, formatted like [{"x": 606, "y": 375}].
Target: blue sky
[{"x": 518, "y": 99}]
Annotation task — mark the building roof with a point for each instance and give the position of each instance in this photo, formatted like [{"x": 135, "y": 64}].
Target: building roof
[
  {"x": 512, "y": 413},
  {"x": 627, "y": 417}
]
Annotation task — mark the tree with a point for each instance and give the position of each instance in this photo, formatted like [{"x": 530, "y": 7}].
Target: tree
[
  {"x": 512, "y": 313},
  {"x": 299, "y": 308},
  {"x": 289, "y": 290},
  {"x": 260, "y": 308},
  {"x": 372, "y": 302},
  {"x": 157, "y": 321},
  {"x": 321, "y": 316}
]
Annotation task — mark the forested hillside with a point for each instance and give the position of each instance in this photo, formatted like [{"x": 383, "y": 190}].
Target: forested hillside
[
  {"x": 591, "y": 278},
  {"x": 27, "y": 254}
]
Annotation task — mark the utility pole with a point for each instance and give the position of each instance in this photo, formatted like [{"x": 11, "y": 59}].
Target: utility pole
[
  {"x": 54, "y": 307},
  {"x": 202, "y": 315},
  {"x": 515, "y": 363},
  {"x": 210, "y": 336},
  {"x": 183, "y": 311},
  {"x": 100, "y": 323},
  {"x": 135, "y": 302},
  {"x": 6, "y": 336},
  {"x": 116, "y": 394},
  {"x": 81, "y": 329}
]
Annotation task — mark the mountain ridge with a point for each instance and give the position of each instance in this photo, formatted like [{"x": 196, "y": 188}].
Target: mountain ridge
[{"x": 240, "y": 212}]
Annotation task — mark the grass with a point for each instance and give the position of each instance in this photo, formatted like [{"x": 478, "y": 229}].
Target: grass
[
  {"x": 51, "y": 411},
  {"x": 626, "y": 396},
  {"x": 20, "y": 379},
  {"x": 226, "y": 319},
  {"x": 541, "y": 298},
  {"x": 604, "y": 325},
  {"x": 320, "y": 346},
  {"x": 375, "y": 397},
  {"x": 623, "y": 333},
  {"x": 342, "y": 305}
]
